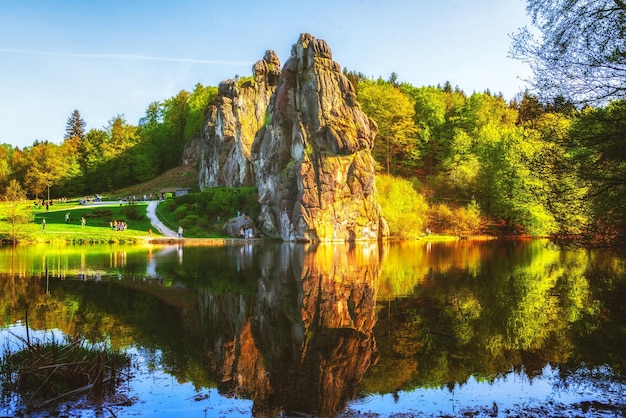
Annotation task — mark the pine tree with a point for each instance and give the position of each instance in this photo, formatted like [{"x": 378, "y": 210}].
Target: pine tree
[{"x": 75, "y": 129}]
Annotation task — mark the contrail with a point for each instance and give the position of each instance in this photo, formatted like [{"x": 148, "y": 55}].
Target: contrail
[{"x": 126, "y": 56}]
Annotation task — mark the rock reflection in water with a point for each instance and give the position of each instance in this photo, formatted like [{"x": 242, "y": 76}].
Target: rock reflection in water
[{"x": 303, "y": 343}]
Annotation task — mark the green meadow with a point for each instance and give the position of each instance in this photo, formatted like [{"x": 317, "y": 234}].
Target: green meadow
[{"x": 98, "y": 223}]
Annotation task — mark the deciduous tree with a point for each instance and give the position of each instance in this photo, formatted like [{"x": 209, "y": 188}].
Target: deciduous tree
[
  {"x": 15, "y": 211},
  {"x": 580, "y": 51},
  {"x": 393, "y": 111}
]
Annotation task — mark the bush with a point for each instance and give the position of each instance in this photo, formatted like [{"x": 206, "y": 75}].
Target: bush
[
  {"x": 226, "y": 202},
  {"x": 180, "y": 212},
  {"x": 441, "y": 218},
  {"x": 187, "y": 223},
  {"x": 458, "y": 221},
  {"x": 170, "y": 205},
  {"x": 405, "y": 210},
  {"x": 186, "y": 198},
  {"x": 132, "y": 212}
]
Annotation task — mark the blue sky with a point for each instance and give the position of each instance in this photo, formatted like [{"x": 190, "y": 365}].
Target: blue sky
[{"x": 106, "y": 58}]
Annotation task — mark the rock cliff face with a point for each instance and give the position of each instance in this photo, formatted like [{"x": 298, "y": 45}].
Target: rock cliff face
[
  {"x": 232, "y": 119},
  {"x": 300, "y": 136}
]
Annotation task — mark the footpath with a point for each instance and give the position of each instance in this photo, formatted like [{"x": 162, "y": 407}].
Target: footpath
[{"x": 151, "y": 212}]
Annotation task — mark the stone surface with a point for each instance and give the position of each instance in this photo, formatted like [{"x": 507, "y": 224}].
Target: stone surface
[
  {"x": 302, "y": 139},
  {"x": 222, "y": 149}
]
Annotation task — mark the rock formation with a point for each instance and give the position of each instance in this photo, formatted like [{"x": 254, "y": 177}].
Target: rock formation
[
  {"x": 232, "y": 119},
  {"x": 302, "y": 139}
]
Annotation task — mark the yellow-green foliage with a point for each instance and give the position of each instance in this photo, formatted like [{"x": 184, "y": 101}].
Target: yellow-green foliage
[
  {"x": 464, "y": 220},
  {"x": 405, "y": 210}
]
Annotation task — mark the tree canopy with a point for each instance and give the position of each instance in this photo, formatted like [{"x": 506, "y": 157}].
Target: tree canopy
[{"x": 580, "y": 50}]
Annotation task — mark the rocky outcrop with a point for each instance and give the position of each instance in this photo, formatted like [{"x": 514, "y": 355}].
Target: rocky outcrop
[
  {"x": 222, "y": 149},
  {"x": 315, "y": 172},
  {"x": 301, "y": 137}
]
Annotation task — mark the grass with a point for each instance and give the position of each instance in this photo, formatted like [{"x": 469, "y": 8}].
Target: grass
[
  {"x": 46, "y": 373},
  {"x": 98, "y": 219}
]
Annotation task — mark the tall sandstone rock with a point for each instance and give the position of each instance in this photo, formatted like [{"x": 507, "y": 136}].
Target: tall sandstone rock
[{"x": 302, "y": 139}]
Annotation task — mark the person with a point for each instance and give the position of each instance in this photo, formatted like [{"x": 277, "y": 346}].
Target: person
[
  {"x": 180, "y": 231},
  {"x": 43, "y": 224},
  {"x": 67, "y": 218},
  {"x": 150, "y": 232},
  {"x": 83, "y": 222}
]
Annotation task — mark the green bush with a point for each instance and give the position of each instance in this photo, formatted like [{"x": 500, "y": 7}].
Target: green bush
[
  {"x": 441, "y": 218},
  {"x": 467, "y": 219},
  {"x": 132, "y": 212},
  {"x": 170, "y": 205},
  {"x": 180, "y": 212},
  {"x": 226, "y": 202},
  {"x": 186, "y": 223},
  {"x": 405, "y": 210},
  {"x": 186, "y": 198}
]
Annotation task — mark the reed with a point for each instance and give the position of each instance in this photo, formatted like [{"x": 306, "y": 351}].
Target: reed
[{"x": 44, "y": 373}]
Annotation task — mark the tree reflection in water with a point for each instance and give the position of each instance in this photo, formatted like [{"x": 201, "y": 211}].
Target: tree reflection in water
[{"x": 305, "y": 329}]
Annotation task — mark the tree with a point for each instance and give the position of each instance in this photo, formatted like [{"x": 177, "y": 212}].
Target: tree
[
  {"x": 75, "y": 129},
  {"x": 46, "y": 165},
  {"x": 435, "y": 115},
  {"x": 15, "y": 210},
  {"x": 598, "y": 143},
  {"x": 393, "y": 111},
  {"x": 581, "y": 53},
  {"x": 6, "y": 170}
]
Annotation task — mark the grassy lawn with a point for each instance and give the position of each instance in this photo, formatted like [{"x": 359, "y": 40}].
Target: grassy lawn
[{"x": 98, "y": 219}]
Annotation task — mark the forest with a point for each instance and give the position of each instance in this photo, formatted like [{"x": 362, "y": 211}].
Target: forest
[
  {"x": 538, "y": 169},
  {"x": 549, "y": 162}
]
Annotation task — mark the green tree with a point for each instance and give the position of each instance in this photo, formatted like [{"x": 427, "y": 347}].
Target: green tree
[
  {"x": 94, "y": 162},
  {"x": 75, "y": 129},
  {"x": 46, "y": 166},
  {"x": 405, "y": 210},
  {"x": 580, "y": 51},
  {"x": 490, "y": 159},
  {"x": 15, "y": 211},
  {"x": 198, "y": 101},
  {"x": 563, "y": 191},
  {"x": 175, "y": 112},
  {"x": 393, "y": 112},
  {"x": 6, "y": 154},
  {"x": 435, "y": 117},
  {"x": 598, "y": 141}
]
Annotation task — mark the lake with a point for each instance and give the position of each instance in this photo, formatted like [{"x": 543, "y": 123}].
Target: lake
[{"x": 494, "y": 328}]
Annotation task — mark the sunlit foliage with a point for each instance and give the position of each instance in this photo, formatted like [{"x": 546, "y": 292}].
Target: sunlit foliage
[{"x": 405, "y": 210}]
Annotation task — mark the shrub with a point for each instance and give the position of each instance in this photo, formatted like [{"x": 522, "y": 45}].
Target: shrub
[
  {"x": 170, "y": 205},
  {"x": 405, "y": 210},
  {"x": 181, "y": 212},
  {"x": 467, "y": 219},
  {"x": 458, "y": 221},
  {"x": 132, "y": 212},
  {"x": 186, "y": 198},
  {"x": 226, "y": 202},
  {"x": 187, "y": 223}
]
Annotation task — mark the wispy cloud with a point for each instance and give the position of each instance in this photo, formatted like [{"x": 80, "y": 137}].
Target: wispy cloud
[{"x": 126, "y": 57}]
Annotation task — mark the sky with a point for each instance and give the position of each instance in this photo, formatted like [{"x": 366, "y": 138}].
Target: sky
[{"x": 114, "y": 57}]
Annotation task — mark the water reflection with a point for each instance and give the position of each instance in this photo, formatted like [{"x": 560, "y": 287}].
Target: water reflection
[{"x": 305, "y": 329}]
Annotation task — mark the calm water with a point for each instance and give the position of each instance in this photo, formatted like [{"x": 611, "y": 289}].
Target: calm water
[{"x": 414, "y": 329}]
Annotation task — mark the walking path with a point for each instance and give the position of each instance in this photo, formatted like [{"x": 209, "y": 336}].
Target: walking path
[{"x": 151, "y": 212}]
